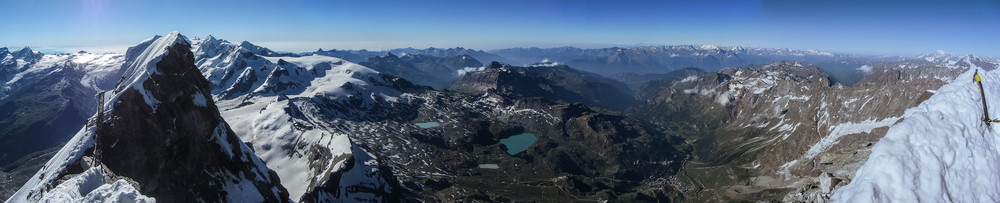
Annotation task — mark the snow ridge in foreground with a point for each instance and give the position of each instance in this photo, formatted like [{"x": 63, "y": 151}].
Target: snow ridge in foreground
[{"x": 940, "y": 152}]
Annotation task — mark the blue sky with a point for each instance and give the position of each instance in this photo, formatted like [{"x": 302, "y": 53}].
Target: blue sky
[{"x": 864, "y": 27}]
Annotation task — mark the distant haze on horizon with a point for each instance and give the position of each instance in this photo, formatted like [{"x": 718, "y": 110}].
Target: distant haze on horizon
[{"x": 894, "y": 27}]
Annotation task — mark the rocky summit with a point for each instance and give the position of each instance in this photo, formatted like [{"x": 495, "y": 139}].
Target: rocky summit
[{"x": 156, "y": 136}]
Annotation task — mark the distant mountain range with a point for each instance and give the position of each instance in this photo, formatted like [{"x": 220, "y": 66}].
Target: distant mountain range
[
  {"x": 642, "y": 60},
  {"x": 359, "y": 56}
]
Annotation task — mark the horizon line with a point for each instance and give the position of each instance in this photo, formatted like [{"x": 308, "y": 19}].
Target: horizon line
[{"x": 120, "y": 49}]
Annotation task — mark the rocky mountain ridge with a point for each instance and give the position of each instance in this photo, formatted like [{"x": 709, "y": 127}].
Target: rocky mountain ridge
[{"x": 156, "y": 136}]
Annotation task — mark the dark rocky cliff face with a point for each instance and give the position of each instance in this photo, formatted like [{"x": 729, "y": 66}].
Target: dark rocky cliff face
[{"x": 174, "y": 151}]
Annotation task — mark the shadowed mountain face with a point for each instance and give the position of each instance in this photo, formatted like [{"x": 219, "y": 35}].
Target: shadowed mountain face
[
  {"x": 44, "y": 113},
  {"x": 557, "y": 83},
  {"x": 432, "y": 71},
  {"x": 44, "y": 100}
]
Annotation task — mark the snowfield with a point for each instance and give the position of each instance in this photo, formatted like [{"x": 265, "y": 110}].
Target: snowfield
[
  {"x": 940, "y": 152},
  {"x": 291, "y": 133}
]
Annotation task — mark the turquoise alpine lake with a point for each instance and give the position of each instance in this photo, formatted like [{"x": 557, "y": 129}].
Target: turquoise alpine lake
[
  {"x": 517, "y": 143},
  {"x": 428, "y": 124},
  {"x": 489, "y": 166}
]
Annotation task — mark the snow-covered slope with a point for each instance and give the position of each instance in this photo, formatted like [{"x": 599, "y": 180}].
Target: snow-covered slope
[
  {"x": 157, "y": 135},
  {"x": 940, "y": 152},
  {"x": 296, "y": 112}
]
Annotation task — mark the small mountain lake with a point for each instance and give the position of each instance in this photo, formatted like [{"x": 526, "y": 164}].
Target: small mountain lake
[
  {"x": 489, "y": 166},
  {"x": 517, "y": 143},
  {"x": 428, "y": 124}
]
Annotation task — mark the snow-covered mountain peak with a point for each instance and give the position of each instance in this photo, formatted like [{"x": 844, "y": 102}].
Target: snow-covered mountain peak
[
  {"x": 144, "y": 63},
  {"x": 210, "y": 38},
  {"x": 938, "y": 56},
  {"x": 209, "y": 46},
  {"x": 393, "y": 56},
  {"x": 247, "y": 44},
  {"x": 708, "y": 47},
  {"x": 208, "y": 42},
  {"x": 314, "y": 75},
  {"x": 253, "y": 48},
  {"x": 545, "y": 63},
  {"x": 26, "y": 54}
]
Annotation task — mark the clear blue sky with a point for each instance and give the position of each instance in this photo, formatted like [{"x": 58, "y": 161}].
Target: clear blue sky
[{"x": 865, "y": 27}]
